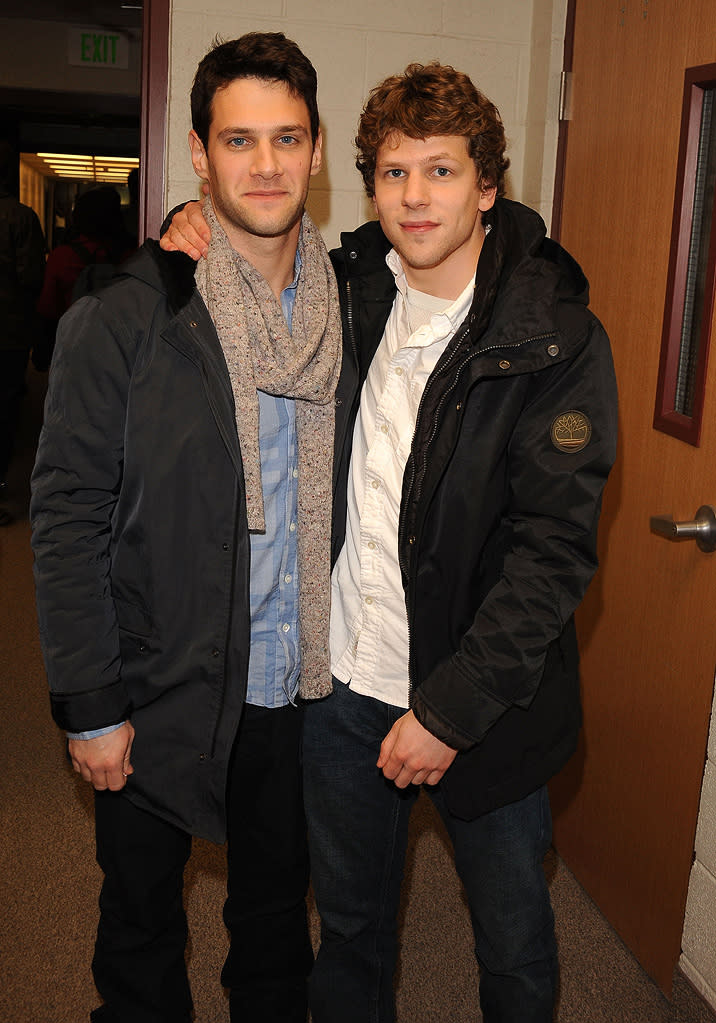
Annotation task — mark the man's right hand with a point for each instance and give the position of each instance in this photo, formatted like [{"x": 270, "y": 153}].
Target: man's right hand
[
  {"x": 188, "y": 232},
  {"x": 104, "y": 761}
]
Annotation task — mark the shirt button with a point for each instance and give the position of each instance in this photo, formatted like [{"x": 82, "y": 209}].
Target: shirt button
[
  {"x": 295, "y": 473},
  {"x": 369, "y": 600},
  {"x": 375, "y": 484},
  {"x": 398, "y": 371},
  {"x": 292, "y": 527},
  {"x": 384, "y": 428},
  {"x": 371, "y": 545},
  {"x": 288, "y": 577},
  {"x": 285, "y": 627}
]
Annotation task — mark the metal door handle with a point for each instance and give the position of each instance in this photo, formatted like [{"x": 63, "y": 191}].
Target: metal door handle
[{"x": 702, "y": 529}]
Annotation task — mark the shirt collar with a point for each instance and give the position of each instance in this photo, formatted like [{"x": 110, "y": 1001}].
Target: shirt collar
[{"x": 442, "y": 324}]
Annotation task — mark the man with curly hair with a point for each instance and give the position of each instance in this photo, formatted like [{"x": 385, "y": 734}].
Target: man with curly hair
[{"x": 476, "y": 427}]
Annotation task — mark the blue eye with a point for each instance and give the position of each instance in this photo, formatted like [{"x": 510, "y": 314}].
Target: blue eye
[{"x": 237, "y": 143}]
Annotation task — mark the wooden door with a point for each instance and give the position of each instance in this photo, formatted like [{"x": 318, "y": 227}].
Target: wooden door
[{"x": 626, "y": 806}]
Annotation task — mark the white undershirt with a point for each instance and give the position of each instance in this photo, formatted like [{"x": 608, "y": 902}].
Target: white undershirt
[{"x": 369, "y": 627}]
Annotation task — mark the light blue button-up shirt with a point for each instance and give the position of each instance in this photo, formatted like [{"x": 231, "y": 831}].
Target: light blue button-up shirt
[{"x": 275, "y": 657}]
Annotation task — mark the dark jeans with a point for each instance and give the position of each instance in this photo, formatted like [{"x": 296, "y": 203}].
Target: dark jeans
[
  {"x": 358, "y": 824},
  {"x": 139, "y": 964}
]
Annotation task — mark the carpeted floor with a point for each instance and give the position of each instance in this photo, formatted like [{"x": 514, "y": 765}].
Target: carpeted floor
[{"x": 49, "y": 880}]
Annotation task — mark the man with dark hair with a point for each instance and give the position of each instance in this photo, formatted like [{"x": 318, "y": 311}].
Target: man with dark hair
[
  {"x": 22, "y": 264},
  {"x": 476, "y": 429},
  {"x": 181, "y": 529}
]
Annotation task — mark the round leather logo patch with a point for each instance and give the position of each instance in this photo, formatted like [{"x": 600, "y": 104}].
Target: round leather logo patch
[{"x": 571, "y": 431}]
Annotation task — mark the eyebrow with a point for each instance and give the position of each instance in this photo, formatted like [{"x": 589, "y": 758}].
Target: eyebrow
[
  {"x": 279, "y": 129},
  {"x": 432, "y": 158}
]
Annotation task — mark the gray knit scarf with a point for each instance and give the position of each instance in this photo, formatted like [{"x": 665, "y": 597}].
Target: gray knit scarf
[{"x": 304, "y": 364}]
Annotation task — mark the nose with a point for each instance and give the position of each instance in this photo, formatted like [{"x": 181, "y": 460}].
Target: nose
[
  {"x": 415, "y": 191},
  {"x": 265, "y": 163}
]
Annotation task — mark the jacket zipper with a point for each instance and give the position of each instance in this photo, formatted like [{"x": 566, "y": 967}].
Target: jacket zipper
[{"x": 438, "y": 410}]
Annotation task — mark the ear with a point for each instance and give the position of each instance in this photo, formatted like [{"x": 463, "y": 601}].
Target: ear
[
  {"x": 487, "y": 198},
  {"x": 317, "y": 158},
  {"x": 199, "y": 158}
]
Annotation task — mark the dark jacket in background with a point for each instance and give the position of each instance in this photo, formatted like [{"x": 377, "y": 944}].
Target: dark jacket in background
[
  {"x": 498, "y": 520},
  {"x": 22, "y": 265}
]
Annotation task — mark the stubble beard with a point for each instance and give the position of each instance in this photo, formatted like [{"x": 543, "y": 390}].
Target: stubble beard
[{"x": 266, "y": 225}]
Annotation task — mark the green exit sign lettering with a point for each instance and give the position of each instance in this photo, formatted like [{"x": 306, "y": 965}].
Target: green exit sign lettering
[{"x": 98, "y": 47}]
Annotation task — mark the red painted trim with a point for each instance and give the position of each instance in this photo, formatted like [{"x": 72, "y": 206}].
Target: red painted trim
[
  {"x": 563, "y": 132},
  {"x": 666, "y": 418},
  {"x": 155, "y": 84}
]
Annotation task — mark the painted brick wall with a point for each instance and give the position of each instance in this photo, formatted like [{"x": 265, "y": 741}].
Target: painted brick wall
[{"x": 512, "y": 51}]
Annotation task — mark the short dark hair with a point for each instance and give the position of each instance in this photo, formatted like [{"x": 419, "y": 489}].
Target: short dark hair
[
  {"x": 269, "y": 56},
  {"x": 427, "y": 100}
]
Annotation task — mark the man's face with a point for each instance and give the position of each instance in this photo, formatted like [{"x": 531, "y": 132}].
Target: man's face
[
  {"x": 430, "y": 203},
  {"x": 258, "y": 160}
]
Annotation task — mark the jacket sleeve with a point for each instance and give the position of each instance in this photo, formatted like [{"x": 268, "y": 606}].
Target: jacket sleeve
[
  {"x": 30, "y": 255},
  {"x": 75, "y": 486},
  {"x": 547, "y": 544}
]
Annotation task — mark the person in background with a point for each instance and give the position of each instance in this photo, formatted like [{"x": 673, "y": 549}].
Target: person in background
[
  {"x": 97, "y": 239},
  {"x": 476, "y": 428},
  {"x": 130, "y": 212},
  {"x": 181, "y": 530},
  {"x": 22, "y": 264}
]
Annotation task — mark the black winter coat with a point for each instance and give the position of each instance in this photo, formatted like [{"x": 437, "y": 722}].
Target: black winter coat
[
  {"x": 22, "y": 266},
  {"x": 500, "y": 503},
  {"x": 140, "y": 536}
]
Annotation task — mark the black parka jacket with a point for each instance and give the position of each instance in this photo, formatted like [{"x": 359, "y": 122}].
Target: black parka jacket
[
  {"x": 140, "y": 536},
  {"x": 515, "y": 436},
  {"x": 22, "y": 267}
]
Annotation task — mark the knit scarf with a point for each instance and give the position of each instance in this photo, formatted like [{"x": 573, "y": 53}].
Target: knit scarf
[{"x": 304, "y": 363}]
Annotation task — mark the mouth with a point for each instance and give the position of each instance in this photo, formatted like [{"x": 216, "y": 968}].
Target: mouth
[
  {"x": 418, "y": 226},
  {"x": 265, "y": 193}
]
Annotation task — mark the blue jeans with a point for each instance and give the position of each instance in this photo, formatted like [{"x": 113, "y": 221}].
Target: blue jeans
[{"x": 358, "y": 831}]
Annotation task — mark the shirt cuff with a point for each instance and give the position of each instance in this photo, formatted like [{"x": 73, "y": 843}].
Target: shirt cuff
[{"x": 95, "y": 732}]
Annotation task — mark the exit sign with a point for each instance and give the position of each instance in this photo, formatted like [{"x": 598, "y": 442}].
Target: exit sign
[{"x": 98, "y": 47}]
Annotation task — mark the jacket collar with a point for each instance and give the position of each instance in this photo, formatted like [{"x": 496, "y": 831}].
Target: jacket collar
[
  {"x": 171, "y": 273},
  {"x": 521, "y": 275}
]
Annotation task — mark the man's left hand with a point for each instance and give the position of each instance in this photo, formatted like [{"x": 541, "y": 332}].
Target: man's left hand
[{"x": 411, "y": 755}]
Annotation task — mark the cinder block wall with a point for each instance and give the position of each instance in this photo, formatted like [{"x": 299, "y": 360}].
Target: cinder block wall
[
  {"x": 698, "y": 957},
  {"x": 512, "y": 51}
]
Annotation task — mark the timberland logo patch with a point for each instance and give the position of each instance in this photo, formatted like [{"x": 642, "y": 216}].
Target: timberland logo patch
[{"x": 571, "y": 431}]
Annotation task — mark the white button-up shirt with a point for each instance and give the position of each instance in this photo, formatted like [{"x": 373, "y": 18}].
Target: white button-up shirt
[{"x": 369, "y": 625}]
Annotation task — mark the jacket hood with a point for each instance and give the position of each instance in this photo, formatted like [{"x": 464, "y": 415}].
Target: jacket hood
[
  {"x": 521, "y": 275},
  {"x": 171, "y": 273}
]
